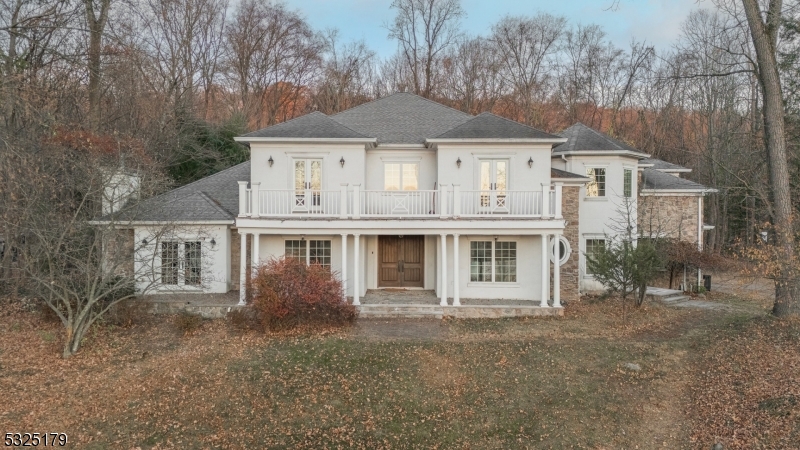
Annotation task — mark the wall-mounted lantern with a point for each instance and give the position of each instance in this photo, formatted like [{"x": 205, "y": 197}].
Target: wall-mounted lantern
[
  {"x": 144, "y": 241},
  {"x": 271, "y": 161},
  {"x": 341, "y": 161},
  {"x": 213, "y": 242},
  {"x": 458, "y": 162},
  {"x": 530, "y": 162}
]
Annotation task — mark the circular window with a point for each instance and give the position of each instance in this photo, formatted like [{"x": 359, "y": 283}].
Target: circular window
[{"x": 564, "y": 250}]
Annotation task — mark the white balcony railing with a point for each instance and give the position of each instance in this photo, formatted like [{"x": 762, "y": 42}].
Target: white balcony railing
[{"x": 350, "y": 202}]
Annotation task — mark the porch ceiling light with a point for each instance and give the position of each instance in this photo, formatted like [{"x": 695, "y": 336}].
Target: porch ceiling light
[
  {"x": 458, "y": 162},
  {"x": 530, "y": 162},
  {"x": 341, "y": 161},
  {"x": 270, "y": 161}
]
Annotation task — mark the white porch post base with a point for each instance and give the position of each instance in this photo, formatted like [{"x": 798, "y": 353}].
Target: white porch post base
[
  {"x": 557, "y": 271},
  {"x": 545, "y": 273},
  {"x": 242, "y": 269},
  {"x": 443, "y": 265},
  {"x": 456, "y": 299},
  {"x": 356, "y": 256}
]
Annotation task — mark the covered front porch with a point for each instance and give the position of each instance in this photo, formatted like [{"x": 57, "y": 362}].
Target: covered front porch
[{"x": 424, "y": 268}]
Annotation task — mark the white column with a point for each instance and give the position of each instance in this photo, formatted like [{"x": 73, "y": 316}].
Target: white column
[
  {"x": 255, "y": 188},
  {"x": 456, "y": 269},
  {"x": 443, "y": 212},
  {"x": 254, "y": 258},
  {"x": 343, "y": 201},
  {"x": 443, "y": 265},
  {"x": 344, "y": 265},
  {"x": 242, "y": 268},
  {"x": 356, "y": 257},
  {"x": 559, "y": 189},
  {"x": 545, "y": 273},
  {"x": 242, "y": 198},
  {"x": 557, "y": 271},
  {"x": 545, "y": 200}
]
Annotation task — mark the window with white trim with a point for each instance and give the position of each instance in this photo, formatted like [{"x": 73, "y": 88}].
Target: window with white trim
[
  {"x": 309, "y": 252},
  {"x": 493, "y": 261},
  {"x": 181, "y": 263},
  {"x": 401, "y": 176},
  {"x": 592, "y": 247},
  {"x": 627, "y": 183},
  {"x": 597, "y": 186}
]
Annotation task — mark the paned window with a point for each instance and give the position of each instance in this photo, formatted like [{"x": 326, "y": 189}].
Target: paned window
[
  {"x": 592, "y": 247},
  {"x": 181, "y": 263},
  {"x": 401, "y": 176},
  {"x": 309, "y": 252},
  {"x": 493, "y": 262},
  {"x": 596, "y": 187},
  {"x": 627, "y": 186}
]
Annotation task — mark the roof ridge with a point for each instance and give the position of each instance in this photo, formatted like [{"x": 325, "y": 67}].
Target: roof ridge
[
  {"x": 312, "y": 113},
  {"x": 399, "y": 93},
  {"x": 181, "y": 188},
  {"x": 214, "y": 203}
]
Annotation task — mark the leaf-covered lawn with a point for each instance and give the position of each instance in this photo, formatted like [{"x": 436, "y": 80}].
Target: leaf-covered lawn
[{"x": 536, "y": 383}]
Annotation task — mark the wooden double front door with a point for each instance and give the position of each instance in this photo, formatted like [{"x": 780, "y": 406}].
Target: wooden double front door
[{"x": 400, "y": 261}]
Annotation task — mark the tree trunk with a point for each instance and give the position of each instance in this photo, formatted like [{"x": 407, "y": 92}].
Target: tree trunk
[
  {"x": 764, "y": 36},
  {"x": 96, "y": 21}
]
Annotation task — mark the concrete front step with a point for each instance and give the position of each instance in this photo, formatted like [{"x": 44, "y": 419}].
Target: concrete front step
[
  {"x": 464, "y": 312},
  {"x": 674, "y": 299}
]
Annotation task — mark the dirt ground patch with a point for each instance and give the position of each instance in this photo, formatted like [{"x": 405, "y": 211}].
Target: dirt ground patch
[{"x": 510, "y": 383}]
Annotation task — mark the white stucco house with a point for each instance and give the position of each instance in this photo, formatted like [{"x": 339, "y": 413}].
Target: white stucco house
[{"x": 406, "y": 193}]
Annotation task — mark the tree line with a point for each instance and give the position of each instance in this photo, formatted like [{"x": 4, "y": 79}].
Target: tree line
[{"x": 166, "y": 84}]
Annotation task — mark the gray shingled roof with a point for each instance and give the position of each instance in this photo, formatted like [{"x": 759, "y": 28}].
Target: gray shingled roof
[
  {"x": 583, "y": 138},
  {"x": 656, "y": 180},
  {"x": 558, "y": 173},
  {"x": 401, "y": 118},
  {"x": 313, "y": 125},
  {"x": 489, "y": 126},
  {"x": 213, "y": 198},
  {"x": 662, "y": 166}
]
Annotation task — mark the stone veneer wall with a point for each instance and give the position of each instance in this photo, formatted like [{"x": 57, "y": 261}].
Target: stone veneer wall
[
  {"x": 121, "y": 245},
  {"x": 569, "y": 271},
  {"x": 673, "y": 216},
  {"x": 235, "y": 255}
]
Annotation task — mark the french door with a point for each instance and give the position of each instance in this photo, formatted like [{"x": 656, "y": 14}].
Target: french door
[
  {"x": 307, "y": 184},
  {"x": 401, "y": 261},
  {"x": 181, "y": 263},
  {"x": 494, "y": 185}
]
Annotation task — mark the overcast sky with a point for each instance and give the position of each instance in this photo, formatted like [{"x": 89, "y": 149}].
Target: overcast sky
[{"x": 656, "y": 21}]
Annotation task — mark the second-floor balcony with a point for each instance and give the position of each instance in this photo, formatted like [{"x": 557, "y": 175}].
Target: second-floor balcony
[{"x": 350, "y": 202}]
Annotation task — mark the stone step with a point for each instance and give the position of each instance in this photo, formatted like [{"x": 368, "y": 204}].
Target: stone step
[
  {"x": 675, "y": 299},
  {"x": 466, "y": 311}
]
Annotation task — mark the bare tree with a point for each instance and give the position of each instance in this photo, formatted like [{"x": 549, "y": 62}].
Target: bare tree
[
  {"x": 273, "y": 57},
  {"x": 526, "y": 46},
  {"x": 764, "y": 28},
  {"x": 424, "y": 30},
  {"x": 348, "y": 75},
  {"x": 471, "y": 78}
]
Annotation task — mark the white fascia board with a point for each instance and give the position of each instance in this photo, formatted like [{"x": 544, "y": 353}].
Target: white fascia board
[
  {"x": 400, "y": 146},
  {"x": 286, "y": 140},
  {"x": 162, "y": 223},
  {"x": 676, "y": 192},
  {"x": 602, "y": 153},
  {"x": 498, "y": 141},
  {"x": 406, "y": 226},
  {"x": 571, "y": 181},
  {"x": 674, "y": 170}
]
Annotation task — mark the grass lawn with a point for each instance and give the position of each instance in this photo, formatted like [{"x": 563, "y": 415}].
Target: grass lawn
[{"x": 535, "y": 383}]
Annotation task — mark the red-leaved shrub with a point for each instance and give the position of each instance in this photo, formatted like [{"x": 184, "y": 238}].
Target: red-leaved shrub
[{"x": 286, "y": 293}]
